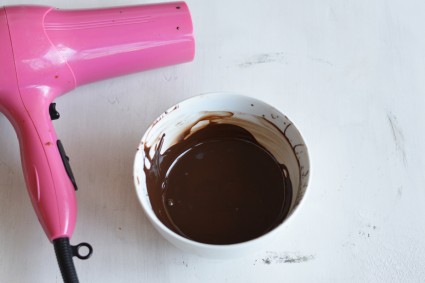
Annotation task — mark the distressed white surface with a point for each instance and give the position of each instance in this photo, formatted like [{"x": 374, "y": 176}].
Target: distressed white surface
[{"x": 350, "y": 74}]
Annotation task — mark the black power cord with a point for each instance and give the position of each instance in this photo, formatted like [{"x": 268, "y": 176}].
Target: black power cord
[{"x": 64, "y": 254}]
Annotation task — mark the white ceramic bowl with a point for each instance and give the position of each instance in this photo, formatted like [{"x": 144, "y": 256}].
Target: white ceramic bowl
[{"x": 269, "y": 126}]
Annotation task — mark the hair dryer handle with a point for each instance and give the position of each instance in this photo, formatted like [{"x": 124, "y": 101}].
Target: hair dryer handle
[{"x": 44, "y": 165}]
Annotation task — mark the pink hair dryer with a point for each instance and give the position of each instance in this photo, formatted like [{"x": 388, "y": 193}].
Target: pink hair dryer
[{"x": 46, "y": 52}]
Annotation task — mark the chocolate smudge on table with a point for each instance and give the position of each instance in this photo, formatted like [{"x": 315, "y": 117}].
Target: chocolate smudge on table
[
  {"x": 277, "y": 57},
  {"x": 275, "y": 257},
  {"x": 398, "y": 136}
]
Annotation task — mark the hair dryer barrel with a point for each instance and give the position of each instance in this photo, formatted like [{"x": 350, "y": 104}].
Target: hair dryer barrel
[{"x": 103, "y": 43}]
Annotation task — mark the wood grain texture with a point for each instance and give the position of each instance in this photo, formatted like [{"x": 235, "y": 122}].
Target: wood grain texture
[{"x": 348, "y": 73}]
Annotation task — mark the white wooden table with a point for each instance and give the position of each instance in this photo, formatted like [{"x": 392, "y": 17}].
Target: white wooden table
[{"x": 350, "y": 74}]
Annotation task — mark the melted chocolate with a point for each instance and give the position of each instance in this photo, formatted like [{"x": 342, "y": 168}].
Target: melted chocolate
[{"x": 218, "y": 186}]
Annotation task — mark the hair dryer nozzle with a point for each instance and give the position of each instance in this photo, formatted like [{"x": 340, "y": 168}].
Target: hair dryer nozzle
[{"x": 103, "y": 43}]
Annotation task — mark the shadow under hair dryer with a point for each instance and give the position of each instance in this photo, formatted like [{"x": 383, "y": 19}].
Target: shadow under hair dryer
[{"x": 46, "y": 52}]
